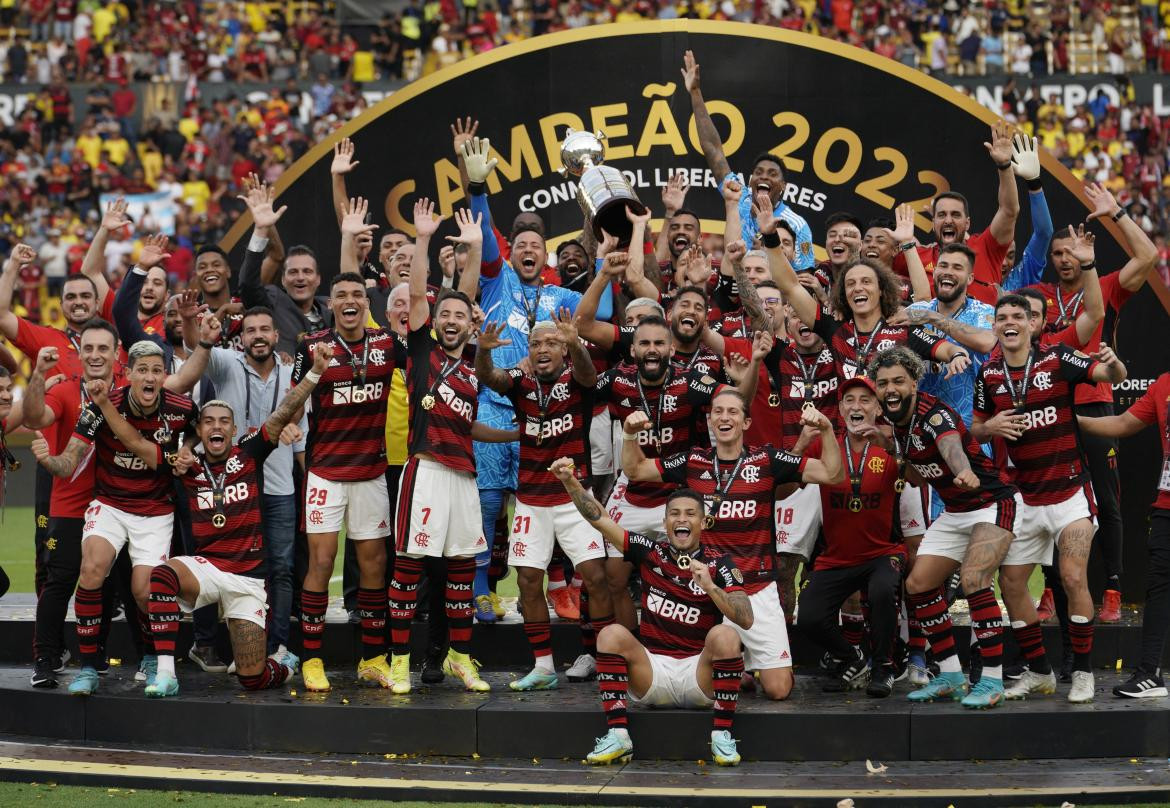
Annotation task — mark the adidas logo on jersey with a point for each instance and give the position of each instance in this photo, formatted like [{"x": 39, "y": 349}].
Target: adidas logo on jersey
[
  {"x": 382, "y": 525},
  {"x": 1000, "y": 390},
  {"x": 626, "y": 402},
  {"x": 913, "y": 523},
  {"x": 784, "y": 655},
  {"x": 706, "y": 475},
  {"x": 593, "y": 545},
  {"x": 531, "y": 395}
]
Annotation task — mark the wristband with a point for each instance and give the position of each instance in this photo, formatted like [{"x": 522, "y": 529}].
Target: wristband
[
  {"x": 477, "y": 188},
  {"x": 963, "y": 354},
  {"x": 908, "y": 246},
  {"x": 313, "y": 376},
  {"x": 1088, "y": 266},
  {"x": 1034, "y": 185},
  {"x": 1004, "y": 166},
  {"x": 206, "y": 345},
  {"x": 628, "y": 436},
  {"x": 770, "y": 240},
  {"x": 137, "y": 270},
  {"x": 1121, "y": 214},
  {"x": 257, "y": 243}
]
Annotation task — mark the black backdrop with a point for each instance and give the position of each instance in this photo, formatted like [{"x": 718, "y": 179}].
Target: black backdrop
[{"x": 857, "y": 133}]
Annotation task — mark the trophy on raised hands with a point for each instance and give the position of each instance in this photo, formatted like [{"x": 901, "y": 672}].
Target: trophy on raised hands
[{"x": 602, "y": 191}]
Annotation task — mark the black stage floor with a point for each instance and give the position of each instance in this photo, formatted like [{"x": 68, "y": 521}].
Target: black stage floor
[
  {"x": 550, "y": 780},
  {"x": 213, "y": 712}
]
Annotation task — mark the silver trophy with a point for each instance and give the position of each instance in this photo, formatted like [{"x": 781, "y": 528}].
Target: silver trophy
[{"x": 602, "y": 191}]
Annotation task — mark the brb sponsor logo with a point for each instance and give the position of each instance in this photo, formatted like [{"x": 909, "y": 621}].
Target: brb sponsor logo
[
  {"x": 670, "y": 610},
  {"x": 552, "y": 428},
  {"x": 357, "y": 393},
  {"x": 735, "y": 509},
  {"x": 928, "y": 471},
  {"x": 1045, "y": 416},
  {"x": 237, "y": 492},
  {"x": 128, "y": 460}
]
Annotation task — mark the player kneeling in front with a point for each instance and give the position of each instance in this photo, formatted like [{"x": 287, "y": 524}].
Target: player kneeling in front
[
  {"x": 224, "y": 486},
  {"x": 687, "y": 656}
]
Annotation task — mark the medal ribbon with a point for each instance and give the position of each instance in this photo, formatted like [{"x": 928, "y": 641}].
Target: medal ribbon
[
  {"x": 1020, "y": 398},
  {"x": 217, "y": 487},
  {"x": 855, "y": 473},
  {"x": 358, "y": 375},
  {"x": 721, "y": 487},
  {"x": 656, "y": 417},
  {"x": 863, "y": 354}
]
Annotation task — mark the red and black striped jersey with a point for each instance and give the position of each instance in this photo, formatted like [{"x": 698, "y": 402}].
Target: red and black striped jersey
[
  {"x": 554, "y": 419},
  {"x": 1049, "y": 466},
  {"x": 676, "y": 613},
  {"x": 443, "y": 400},
  {"x": 740, "y": 501},
  {"x": 675, "y": 409},
  {"x": 121, "y": 478},
  {"x": 238, "y": 546},
  {"x": 854, "y": 351},
  {"x": 933, "y": 420},
  {"x": 702, "y": 360},
  {"x": 734, "y": 324},
  {"x": 347, "y": 424},
  {"x": 854, "y": 537}
]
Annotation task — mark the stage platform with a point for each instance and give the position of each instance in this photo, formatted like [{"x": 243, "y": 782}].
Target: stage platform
[
  {"x": 213, "y": 712},
  {"x": 288, "y": 777}
]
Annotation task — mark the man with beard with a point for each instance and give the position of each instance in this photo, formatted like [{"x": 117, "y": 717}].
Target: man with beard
[
  {"x": 345, "y": 479},
  {"x": 1026, "y": 397},
  {"x": 154, "y": 288},
  {"x": 132, "y": 504},
  {"x": 573, "y": 269},
  {"x": 54, "y": 411},
  {"x": 975, "y": 532},
  {"x": 738, "y": 483},
  {"x": 683, "y": 655},
  {"x": 951, "y": 219},
  {"x": 438, "y": 502},
  {"x": 296, "y": 307},
  {"x": 867, "y": 523},
  {"x": 511, "y": 292},
  {"x": 224, "y": 489},
  {"x": 554, "y": 403},
  {"x": 674, "y": 399},
  {"x": 1066, "y": 299},
  {"x": 767, "y": 176}
]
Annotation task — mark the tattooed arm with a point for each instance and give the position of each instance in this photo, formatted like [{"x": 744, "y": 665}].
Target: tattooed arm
[
  {"x": 951, "y": 448},
  {"x": 290, "y": 406},
  {"x": 749, "y": 298},
  {"x": 587, "y": 505},
  {"x": 61, "y": 465},
  {"x": 735, "y": 605},
  {"x": 485, "y": 369},
  {"x": 981, "y": 340}
]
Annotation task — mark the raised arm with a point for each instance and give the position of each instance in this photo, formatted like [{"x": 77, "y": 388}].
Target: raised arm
[
  {"x": 904, "y": 234},
  {"x": 804, "y": 304},
  {"x": 289, "y": 410},
  {"x": 34, "y": 414},
  {"x": 583, "y": 370},
  {"x": 749, "y": 296},
  {"x": 425, "y": 224},
  {"x": 674, "y": 195},
  {"x": 597, "y": 332},
  {"x": 195, "y": 365},
  {"x": 828, "y": 469},
  {"x": 1092, "y": 300},
  {"x": 587, "y": 506},
  {"x": 471, "y": 234},
  {"x": 1030, "y": 268},
  {"x": 265, "y": 246},
  {"x": 480, "y": 164},
  {"x": 342, "y": 164},
  {"x": 21, "y": 254},
  {"x": 353, "y": 226},
  {"x": 485, "y": 369},
  {"x": 125, "y": 308},
  {"x": 64, "y": 464},
  {"x": 93, "y": 266},
  {"x": 708, "y": 134},
  {"x": 1003, "y": 224},
  {"x": 636, "y": 280},
  {"x": 732, "y": 225},
  {"x": 635, "y": 464},
  {"x": 1137, "y": 269}
]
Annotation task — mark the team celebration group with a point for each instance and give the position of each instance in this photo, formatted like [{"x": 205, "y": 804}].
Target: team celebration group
[{"x": 710, "y": 416}]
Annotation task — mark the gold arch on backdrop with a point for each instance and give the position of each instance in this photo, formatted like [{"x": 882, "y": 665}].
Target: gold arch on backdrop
[{"x": 894, "y": 69}]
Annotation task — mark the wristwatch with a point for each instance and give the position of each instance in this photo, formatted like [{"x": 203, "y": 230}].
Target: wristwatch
[
  {"x": 908, "y": 246},
  {"x": 1121, "y": 214}
]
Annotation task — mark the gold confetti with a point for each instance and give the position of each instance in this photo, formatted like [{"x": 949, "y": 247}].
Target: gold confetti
[
  {"x": 345, "y": 701},
  {"x": 292, "y": 692},
  {"x": 475, "y": 755},
  {"x": 390, "y": 757},
  {"x": 1119, "y": 666},
  {"x": 875, "y": 768},
  {"x": 115, "y": 662},
  {"x": 536, "y": 761}
]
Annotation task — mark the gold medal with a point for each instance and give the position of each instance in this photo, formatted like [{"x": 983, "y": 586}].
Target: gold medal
[
  {"x": 774, "y": 400},
  {"x": 14, "y": 465},
  {"x": 899, "y": 485},
  {"x": 806, "y": 406},
  {"x": 428, "y": 402},
  {"x": 684, "y": 561},
  {"x": 855, "y": 504},
  {"x": 709, "y": 521},
  {"x": 219, "y": 520},
  {"x": 171, "y": 457}
]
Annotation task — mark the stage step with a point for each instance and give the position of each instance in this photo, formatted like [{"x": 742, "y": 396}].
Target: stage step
[{"x": 214, "y": 713}]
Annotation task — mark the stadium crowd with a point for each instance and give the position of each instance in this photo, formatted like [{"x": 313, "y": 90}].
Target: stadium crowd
[{"x": 740, "y": 418}]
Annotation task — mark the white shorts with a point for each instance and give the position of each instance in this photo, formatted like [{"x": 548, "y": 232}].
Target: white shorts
[
  {"x": 1040, "y": 527},
  {"x": 363, "y": 506},
  {"x": 949, "y": 536},
  {"x": 674, "y": 684},
  {"x": 634, "y": 518},
  {"x": 535, "y": 529},
  {"x": 149, "y": 536},
  {"x": 601, "y": 444},
  {"x": 438, "y": 511},
  {"x": 765, "y": 644},
  {"x": 910, "y": 512},
  {"x": 239, "y": 596},
  {"x": 798, "y": 520}
]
